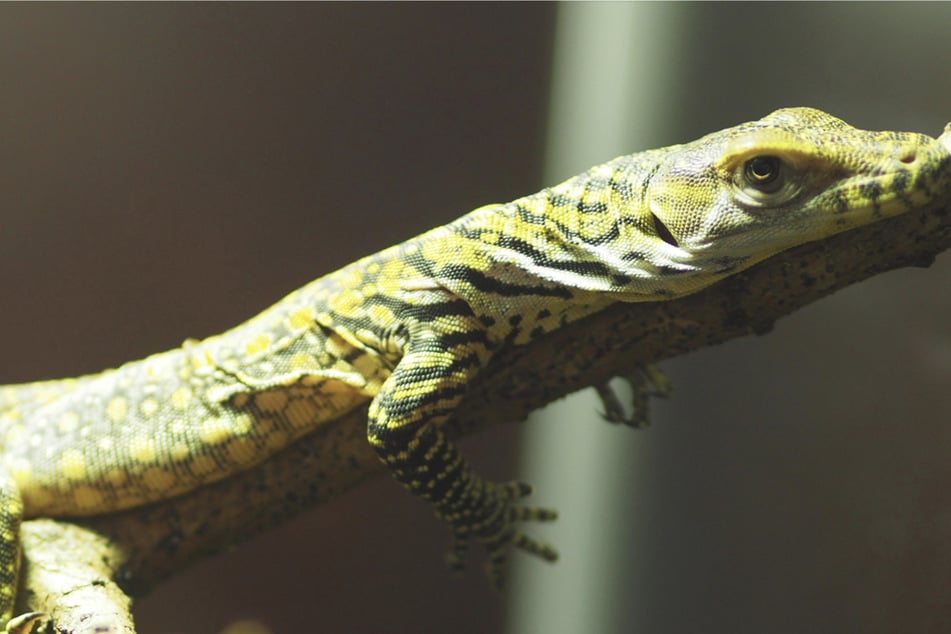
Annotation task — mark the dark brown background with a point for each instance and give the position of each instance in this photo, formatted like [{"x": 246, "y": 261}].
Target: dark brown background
[{"x": 168, "y": 170}]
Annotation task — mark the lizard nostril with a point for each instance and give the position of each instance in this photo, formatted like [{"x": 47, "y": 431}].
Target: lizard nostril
[{"x": 908, "y": 157}]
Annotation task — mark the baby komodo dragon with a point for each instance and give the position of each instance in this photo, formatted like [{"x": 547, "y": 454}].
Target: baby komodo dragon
[{"x": 410, "y": 327}]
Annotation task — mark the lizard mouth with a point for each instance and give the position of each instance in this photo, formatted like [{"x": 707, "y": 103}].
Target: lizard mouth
[{"x": 663, "y": 232}]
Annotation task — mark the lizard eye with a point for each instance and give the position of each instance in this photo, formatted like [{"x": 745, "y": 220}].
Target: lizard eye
[{"x": 766, "y": 181}]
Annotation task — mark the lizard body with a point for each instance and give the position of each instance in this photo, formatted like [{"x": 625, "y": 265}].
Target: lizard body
[{"x": 408, "y": 328}]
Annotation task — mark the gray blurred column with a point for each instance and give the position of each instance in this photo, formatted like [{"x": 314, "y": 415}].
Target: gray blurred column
[{"x": 614, "y": 68}]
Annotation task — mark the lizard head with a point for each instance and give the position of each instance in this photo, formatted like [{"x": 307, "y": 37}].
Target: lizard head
[{"x": 735, "y": 197}]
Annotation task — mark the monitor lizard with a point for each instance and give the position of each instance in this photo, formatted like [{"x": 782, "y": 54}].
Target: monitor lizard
[{"x": 408, "y": 329}]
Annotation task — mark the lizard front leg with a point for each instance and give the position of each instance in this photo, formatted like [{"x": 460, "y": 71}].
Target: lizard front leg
[{"x": 405, "y": 428}]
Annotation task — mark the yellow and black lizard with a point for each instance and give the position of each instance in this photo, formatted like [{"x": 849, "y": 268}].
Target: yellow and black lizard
[{"x": 410, "y": 327}]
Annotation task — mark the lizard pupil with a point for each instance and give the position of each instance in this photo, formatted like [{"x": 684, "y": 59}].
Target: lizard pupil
[{"x": 762, "y": 172}]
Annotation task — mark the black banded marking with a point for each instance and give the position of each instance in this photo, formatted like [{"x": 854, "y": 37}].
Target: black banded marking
[
  {"x": 542, "y": 259},
  {"x": 487, "y": 284},
  {"x": 411, "y": 409}
]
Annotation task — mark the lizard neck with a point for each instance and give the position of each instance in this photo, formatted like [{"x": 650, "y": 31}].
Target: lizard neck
[{"x": 592, "y": 236}]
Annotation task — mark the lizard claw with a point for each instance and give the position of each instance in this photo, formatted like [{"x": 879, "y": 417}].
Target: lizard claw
[{"x": 496, "y": 567}]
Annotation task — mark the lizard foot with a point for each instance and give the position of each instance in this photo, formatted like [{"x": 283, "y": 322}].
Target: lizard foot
[
  {"x": 496, "y": 531},
  {"x": 645, "y": 381}
]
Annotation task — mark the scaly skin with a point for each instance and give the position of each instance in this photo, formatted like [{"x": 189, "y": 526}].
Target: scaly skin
[{"x": 409, "y": 327}]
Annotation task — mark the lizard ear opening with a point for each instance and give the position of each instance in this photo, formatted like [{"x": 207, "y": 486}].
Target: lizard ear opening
[{"x": 663, "y": 232}]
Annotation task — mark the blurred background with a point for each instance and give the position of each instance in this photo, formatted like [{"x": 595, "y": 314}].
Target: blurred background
[{"x": 170, "y": 169}]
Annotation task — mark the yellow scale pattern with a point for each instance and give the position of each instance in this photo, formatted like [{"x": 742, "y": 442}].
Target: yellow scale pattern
[{"x": 409, "y": 327}]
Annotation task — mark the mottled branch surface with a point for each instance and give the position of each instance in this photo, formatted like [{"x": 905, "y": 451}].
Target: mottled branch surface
[{"x": 136, "y": 549}]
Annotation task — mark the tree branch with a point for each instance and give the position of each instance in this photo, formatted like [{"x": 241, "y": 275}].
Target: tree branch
[{"x": 140, "y": 547}]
